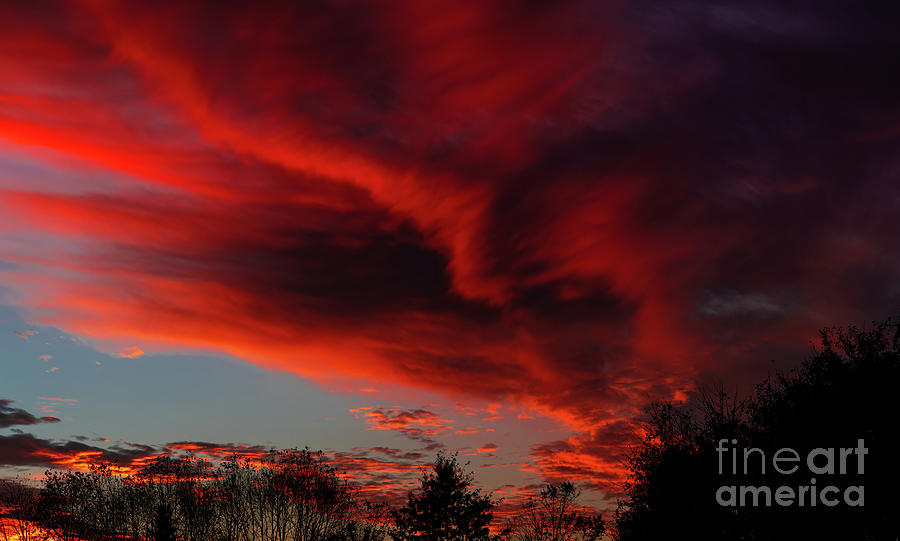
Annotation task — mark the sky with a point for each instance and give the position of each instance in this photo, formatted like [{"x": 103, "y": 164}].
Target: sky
[{"x": 388, "y": 229}]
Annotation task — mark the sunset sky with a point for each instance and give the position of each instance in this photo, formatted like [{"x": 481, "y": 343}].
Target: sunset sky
[{"x": 383, "y": 229}]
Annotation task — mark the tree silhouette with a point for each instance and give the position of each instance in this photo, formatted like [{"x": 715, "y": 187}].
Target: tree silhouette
[
  {"x": 447, "y": 508},
  {"x": 846, "y": 391},
  {"x": 554, "y": 516},
  {"x": 283, "y": 496},
  {"x": 163, "y": 525},
  {"x": 672, "y": 481},
  {"x": 19, "y": 510}
]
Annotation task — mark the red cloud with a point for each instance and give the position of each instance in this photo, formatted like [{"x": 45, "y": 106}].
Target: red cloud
[
  {"x": 419, "y": 424},
  {"x": 539, "y": 206},
  {"x": 218, "y": 450},
  {"x": 404, "y": 420},
  {"x": 28, "y": 450},
  {"x": 488, "y": 448}
]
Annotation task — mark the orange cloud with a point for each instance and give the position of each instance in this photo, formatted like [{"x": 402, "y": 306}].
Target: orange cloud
[{"x": 131, "y": 352}]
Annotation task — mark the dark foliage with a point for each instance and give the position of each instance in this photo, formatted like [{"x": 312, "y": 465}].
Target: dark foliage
[
  {"x": 846, "y": 391},
  {"x": 446, "y": 508},
  {"x": 163, "y": 525}
]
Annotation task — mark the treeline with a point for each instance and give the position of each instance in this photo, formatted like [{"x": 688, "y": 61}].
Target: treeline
[
  {"x": 287, "y": 495},
  {"x": 291, "y": 495},
  {"x": 846, "y": 391}
]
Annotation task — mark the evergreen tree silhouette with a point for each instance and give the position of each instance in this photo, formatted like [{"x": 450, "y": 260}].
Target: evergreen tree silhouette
[{"x": 447, "y": 507}]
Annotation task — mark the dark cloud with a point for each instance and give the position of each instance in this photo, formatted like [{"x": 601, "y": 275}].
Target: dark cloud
[
  {"x": 217, "y": 450},
  {"x": 28, "y": 450},
  {"x": 10, "y": 416},
  {"x": 420, "y": 425},
  {"x": 402, "y": 454},
  {"x": 23, "y": 449}
]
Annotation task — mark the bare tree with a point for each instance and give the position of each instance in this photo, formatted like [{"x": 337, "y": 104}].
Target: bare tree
[
  {"x": 292, "y": 495},
  {"x": 555, "y": 516},
  {"x": 232, "y": 489},
  {"x": 19, "y": 512}
]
